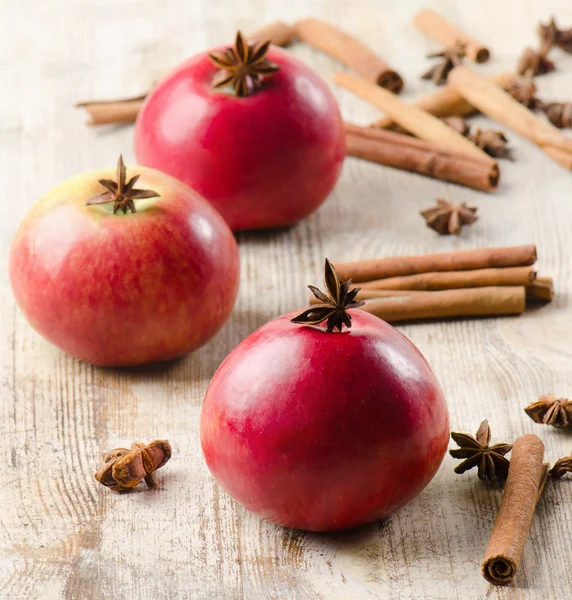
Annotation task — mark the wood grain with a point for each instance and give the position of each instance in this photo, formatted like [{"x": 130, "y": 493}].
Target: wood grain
[{"x": 64, "y": 536}]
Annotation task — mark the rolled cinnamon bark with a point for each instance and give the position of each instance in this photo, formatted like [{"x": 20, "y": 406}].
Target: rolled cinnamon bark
[
  {"x": 448, "y": 280},
  {"x": 491, "y": 100},
  {"x": 349, "y": 51},
  {"x": 470, "y": 302},
  {"x": 541, "y": 288},
  {"x": 411, "y": 118},
  {"x": 519, "y": 499},
  {"x": 278, "y": 32},
  {"x": 462, "y": 260},
  {"x": 437, "y": 27},
  {"x": 107, "y": 112},
  {"x": 456, "y": 168}
]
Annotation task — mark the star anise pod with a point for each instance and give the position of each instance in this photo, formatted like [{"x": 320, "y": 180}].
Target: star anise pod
[
  {"x": 451, "y": 56},
  {"x": 125, "y": 468},
  {"x": 559, "y": 113},
  {"x": 243, "y": 66},
  {"x": 550, "y": 36},
  {"x": 534, "y": 62},
  {"x": 490, "y": 460},
  {"x": 524, "y": 90},
  {"x": 549, "y": 410},
  {"x": 120, "y": 192},
  {"x": 494, "y": 143},
  {"x": 562, "y": 466},
  {"x": 459, "y": 124},
  {"x": 334, "y": 306},
  {"x": 448, "y": 218}
]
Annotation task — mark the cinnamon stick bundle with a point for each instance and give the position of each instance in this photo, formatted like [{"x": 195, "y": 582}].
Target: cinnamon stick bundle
[
  {"x": 542, "y": 288},
  {"x": 405, "y": 152},
  {"x": 470, "y": 302},
  {"x": 349, "y": 51},
  {"x": 442, "y": 30},
  {"x": 448, "y": 280},
  {"x": 411, "y": 118},
  {"x": 525, "y": 479},
  {"x": 462, "y": 260}
]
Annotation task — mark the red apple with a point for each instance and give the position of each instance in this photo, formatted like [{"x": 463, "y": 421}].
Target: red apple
[
  {"x": 149, "y": 278},
  {"x": 266, "y": 155},
  {"x": 322, "y": 430}
]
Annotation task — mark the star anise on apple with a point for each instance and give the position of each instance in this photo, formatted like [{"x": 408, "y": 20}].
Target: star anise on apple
[
  {"x": 477, "y": 452},
  {"x": 243, "y": 66},
  {"x": 562, "y": 466},
  {"x": 333, "y": 307},
  {"x": 550, "y": 36},
  {"x": 447, "y": 218},
  {"x": 451, "y": 58},
  {"x": 534, "y": 62},
  {"x": 549, "y": 410},
  {"x": 121, "y": 192}
]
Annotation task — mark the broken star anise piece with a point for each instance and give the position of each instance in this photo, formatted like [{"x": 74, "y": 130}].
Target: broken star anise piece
[
  {"x": 125, "y": 468},
  {"x": 447, "y": 218},
  {"x": 561, "y": 467},
  {"x": 534, "y": 62},
  {"x": 494, "y": 143},
  {"x": 550, "y": 36},
  {"x": 559, "y": 113},
  {"x": 490, "y": 460},
  {"x": 459, "y": 124},
  {"x": 524, "y": 90},
  {"x": 121, "y": 192},
  {"x": 334, "y": 306},
  {"x": 243, "y": 66},
  {"x": 451, "y": 56},
  {"x": 549, "y": 410}
]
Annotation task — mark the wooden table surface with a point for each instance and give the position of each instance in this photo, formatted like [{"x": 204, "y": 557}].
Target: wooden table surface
[{"x": 62, "y": 535}]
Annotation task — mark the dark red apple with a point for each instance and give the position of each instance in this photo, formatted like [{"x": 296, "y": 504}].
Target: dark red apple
[
  {"x": 322, "y": 430},
  {"x": 266, "y": 154},
  {"x": 124, "y": 276}
]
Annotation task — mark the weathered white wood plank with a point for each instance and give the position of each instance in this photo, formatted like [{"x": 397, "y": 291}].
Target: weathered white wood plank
[{"x": 62, "y": 535}]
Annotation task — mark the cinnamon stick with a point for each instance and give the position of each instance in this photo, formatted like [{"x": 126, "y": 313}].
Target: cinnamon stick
[
  {"x": 491, "y": 100},
  {"x": 541, "y": 288},
  {"x": 470, "y": 302},
  {"x": 519, "y": 499},
  {"x": 404, "y": 152},
  {"x": 278, "y": 32},
  {"x": 411, "y": 118},
  {"x": 349, "y": 51},
  {"x": 462, "y": 260},
  {"x": 448, "y": 280},
  {"x": 107, "y": 112},
  {"x": 442, "y": 30}
]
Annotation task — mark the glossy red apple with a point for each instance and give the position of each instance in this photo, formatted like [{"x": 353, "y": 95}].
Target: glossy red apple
[
  {"x": 322, "y": 430},
  {"x": 115, "y": 287},
  {"x": 266, "y": 155}
]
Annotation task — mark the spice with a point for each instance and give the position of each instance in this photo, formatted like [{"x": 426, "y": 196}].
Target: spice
[
  {"x": 459, "y": 124},
  {"x": 349, "y": 51},
  {"x": 106, "y": 112},
  {"x": 411, "y": 118},
  {"x": 477, "y": 452},
  {"x": 524, "y": 485},
  {"x": 451, "y": 58},
  {"x": 277, "y": 32},
  {"x": 494, "y": 143},
  {"x": 121, "y": 192},
  {"x": 542, "y": 288},
  {"x": 243, "y": 66},
  {"x": 448, "y": 218},
  {"x": 550, "y": 36},
  {"x": 426, "y": 158},
  {"x": 497, "y": 104},
  {"x": 534, "y": 62},
  {"x": 561, "y": 467},
  {"x": 125, "y": 468},
  {"x": 447, "y": 280},
  {"x": 443, "y": 31},
  {"x": 461, "y": 260},
  {"x": 559, "y": 113},
  {"x": 333, "y": 306},
  {"x": 524, "y": 90},
  {"x": 549, "y": 410}
]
